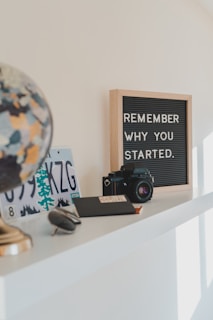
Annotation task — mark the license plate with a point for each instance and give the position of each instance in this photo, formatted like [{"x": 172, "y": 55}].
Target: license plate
[{"x": 54, "y": 184}]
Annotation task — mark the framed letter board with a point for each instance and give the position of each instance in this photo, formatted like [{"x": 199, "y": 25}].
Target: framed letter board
[{"x": 155, "y": 130}]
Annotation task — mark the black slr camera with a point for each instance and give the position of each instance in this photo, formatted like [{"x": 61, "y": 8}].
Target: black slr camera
[{"x": 132, "y": 180}]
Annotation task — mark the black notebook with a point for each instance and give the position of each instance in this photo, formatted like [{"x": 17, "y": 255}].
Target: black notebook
[{"x": 103, "y": 206}]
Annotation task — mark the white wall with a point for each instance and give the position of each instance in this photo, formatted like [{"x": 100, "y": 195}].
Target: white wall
[{"x": 77, "y": 50}]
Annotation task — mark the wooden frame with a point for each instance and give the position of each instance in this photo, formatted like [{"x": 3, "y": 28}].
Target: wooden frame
[{"x": 117, "y": 137}]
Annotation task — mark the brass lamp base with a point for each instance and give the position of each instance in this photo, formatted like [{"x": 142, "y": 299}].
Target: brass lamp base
[{"x": 12, "y": 240}]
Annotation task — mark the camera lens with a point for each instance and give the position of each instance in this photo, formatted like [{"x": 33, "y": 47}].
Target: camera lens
[
  {"x": 140, "y": 191},
  {"x": 143, "y": 190}
]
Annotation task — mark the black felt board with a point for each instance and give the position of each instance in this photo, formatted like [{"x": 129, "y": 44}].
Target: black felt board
[{"x": 170, "y": 166}]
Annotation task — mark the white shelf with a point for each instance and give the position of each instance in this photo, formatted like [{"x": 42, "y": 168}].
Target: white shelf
[{"x": 55, "y": 263}]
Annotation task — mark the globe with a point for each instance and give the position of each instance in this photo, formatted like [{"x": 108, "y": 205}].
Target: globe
[
  {"x": 25, "y": 127},
  {"x": 25, "y": 137}
]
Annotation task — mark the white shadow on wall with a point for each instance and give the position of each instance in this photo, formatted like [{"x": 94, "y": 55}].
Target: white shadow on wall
[
  {"x": 188, "y": 268},
  {"x": 195, "y": 167},
  {"x": 194, "y": 256},
  {"x": 208, "y": 162},
  {"x": 208, "y": 241}
]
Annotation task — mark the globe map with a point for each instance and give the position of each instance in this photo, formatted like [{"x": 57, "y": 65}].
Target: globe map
[{"x": 25, "y": 127}]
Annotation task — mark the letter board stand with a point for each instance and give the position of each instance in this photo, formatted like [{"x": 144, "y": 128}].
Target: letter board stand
[{"x": 154, "y": 129}]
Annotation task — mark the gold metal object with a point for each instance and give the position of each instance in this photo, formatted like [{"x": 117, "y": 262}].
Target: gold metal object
[{"x": 12, "y": 240}]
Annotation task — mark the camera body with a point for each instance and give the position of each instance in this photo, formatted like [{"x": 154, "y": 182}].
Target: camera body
[{"x": 132, "y": 180}]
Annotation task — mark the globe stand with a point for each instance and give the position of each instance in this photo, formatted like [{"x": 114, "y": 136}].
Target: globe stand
[{"x": 12, "y": 240}]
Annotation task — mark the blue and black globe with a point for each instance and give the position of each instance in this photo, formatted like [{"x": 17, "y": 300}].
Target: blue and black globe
[{"x": 26, "y": 127}]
